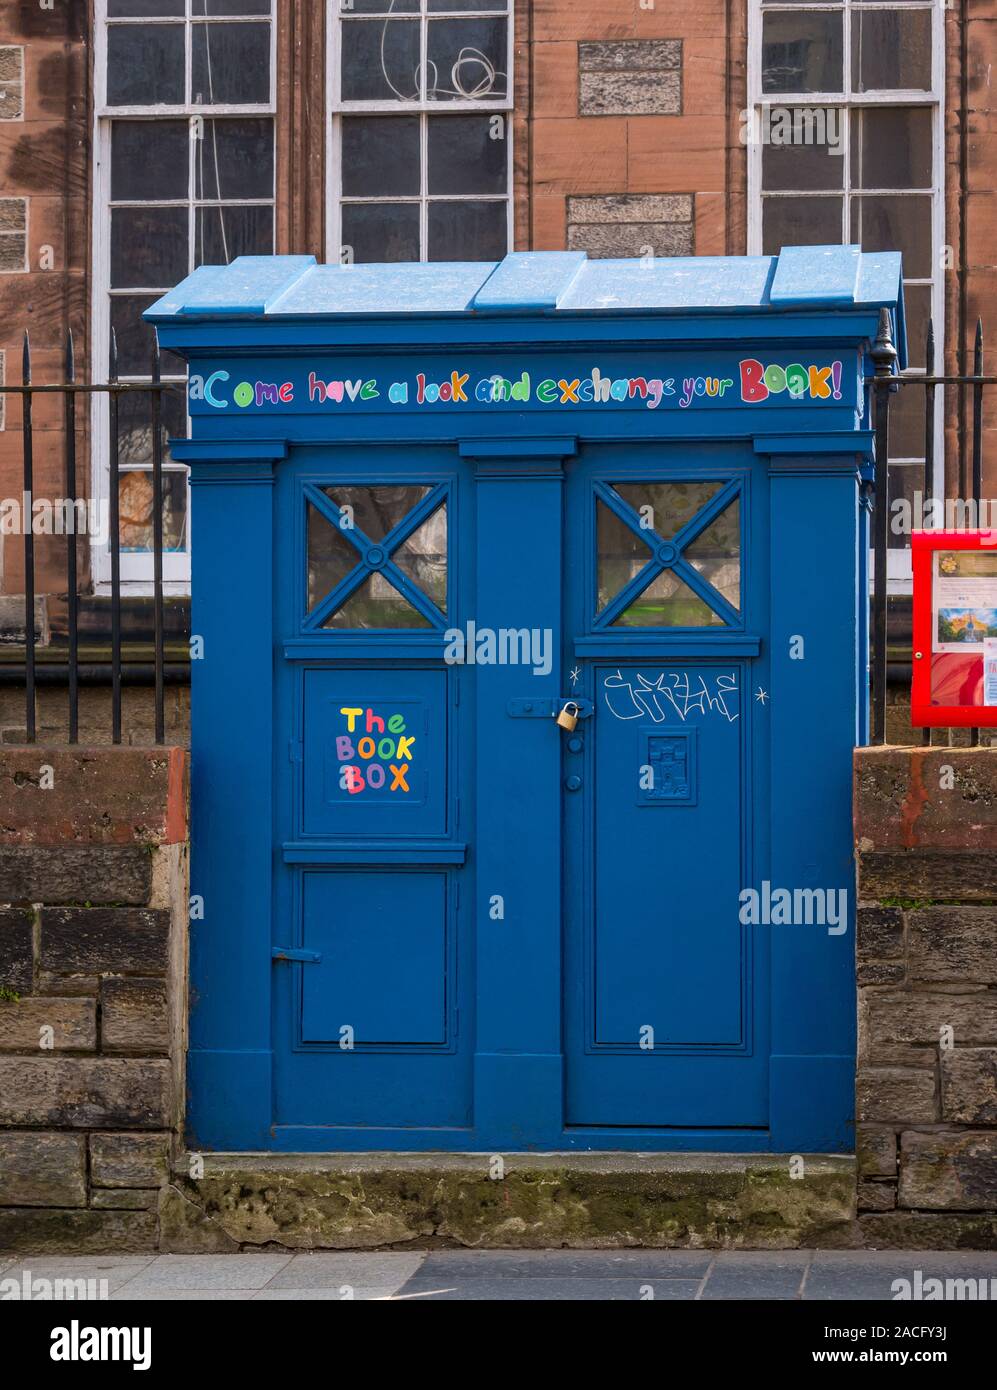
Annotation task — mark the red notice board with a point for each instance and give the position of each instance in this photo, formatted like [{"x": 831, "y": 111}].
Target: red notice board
[{"x": 955, "y": 628}]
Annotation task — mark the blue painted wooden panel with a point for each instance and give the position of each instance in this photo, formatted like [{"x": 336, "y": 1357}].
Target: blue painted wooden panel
[
  {"x": 390, "y": 915},
  {"x": 654, "y": 872},
  {"x": 374, "y": 752},
  {"x": 668, "y": 951},
  {"x": 382, "y": 938}
]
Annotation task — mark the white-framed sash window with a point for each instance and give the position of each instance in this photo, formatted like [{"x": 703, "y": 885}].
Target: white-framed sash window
[
  {"x": 845, "y": 142},
  {"x": 184, "y": 150},
  {"x": 420, "y": 130}
]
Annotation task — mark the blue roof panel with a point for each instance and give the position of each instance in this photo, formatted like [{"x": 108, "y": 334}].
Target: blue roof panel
[
  {"x": 530, "y": 280},
  {"x": 249, "y": 287},
  {"x": 295, "y": 287},
  {"x": 417, "y": 287},
  {"x": 671, "y": 282},
  {"x": 815, "y": 275}
]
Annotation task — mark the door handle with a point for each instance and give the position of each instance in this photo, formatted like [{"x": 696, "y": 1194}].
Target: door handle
[{"x": 292, "y": 953}]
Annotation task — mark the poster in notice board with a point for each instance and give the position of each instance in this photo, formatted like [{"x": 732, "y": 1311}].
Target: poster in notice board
[{"x": 955, "y": 628}]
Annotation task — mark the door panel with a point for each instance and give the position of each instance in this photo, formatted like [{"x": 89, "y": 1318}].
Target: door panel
[
  {"x": 668, "y": 953},
  {"x": 382, "y": 938},
  {"x": 665, "y": 991},
  {"x": 374, "y": 752},
  {"x": 372, "y": 909}
]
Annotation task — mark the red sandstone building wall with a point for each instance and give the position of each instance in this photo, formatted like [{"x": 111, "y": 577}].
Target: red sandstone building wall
[{"x": 626, "y": 122}]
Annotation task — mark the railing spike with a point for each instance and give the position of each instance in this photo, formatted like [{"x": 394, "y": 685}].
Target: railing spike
[
  {"x": 112, "y": 358},
  {"x": 70, "y": 357},
  {"x": 883, "y": 352},
  {"x": 26, "y": 360}
]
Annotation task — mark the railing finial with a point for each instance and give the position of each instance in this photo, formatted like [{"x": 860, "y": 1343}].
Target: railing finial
[{"x": 883, "y": 352}]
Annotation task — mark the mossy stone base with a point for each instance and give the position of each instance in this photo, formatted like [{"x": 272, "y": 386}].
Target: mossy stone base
[{"x": 577, "y": 1201}]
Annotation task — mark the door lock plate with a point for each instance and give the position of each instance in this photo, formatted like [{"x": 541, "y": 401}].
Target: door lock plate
[{"x": 533, "y": 708}]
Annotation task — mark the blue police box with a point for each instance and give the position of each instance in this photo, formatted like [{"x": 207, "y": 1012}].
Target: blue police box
[{"x": 529, "y": 616}]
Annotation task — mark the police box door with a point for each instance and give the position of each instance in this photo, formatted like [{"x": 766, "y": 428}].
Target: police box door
[
  {"x": 665, "y": 990},
  {"x": 370, "y": 981}
]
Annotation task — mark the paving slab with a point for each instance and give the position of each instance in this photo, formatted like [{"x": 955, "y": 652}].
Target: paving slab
[
  {"x": 841, "y": 1274},
  {"x": 207, "y": 1272},
  {"x": 551, "y": 1289},
  {"x": 388, "y": 1270},
  {"x": 181, "y": 1296},
  {"x": 116, "y": 1269},
  {"x": 757, "y": 1275},
  {"x": 568, "y": 1264},
  {"x": 359, "y": 1293},
  {"x": 454, "y": 1266}
]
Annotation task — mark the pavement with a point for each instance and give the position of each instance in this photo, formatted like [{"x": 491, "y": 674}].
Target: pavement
[{"x": 531, "y": 1275}]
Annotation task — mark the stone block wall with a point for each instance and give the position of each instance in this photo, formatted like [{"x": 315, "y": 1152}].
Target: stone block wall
[
  {"x": 926, "y": 1106},
  {"x": 93, "y": 1002},
  {"x": 138, "y": 715}
]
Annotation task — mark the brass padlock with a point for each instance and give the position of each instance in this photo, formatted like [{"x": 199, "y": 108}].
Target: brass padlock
[{"x": 568, "y": 717}]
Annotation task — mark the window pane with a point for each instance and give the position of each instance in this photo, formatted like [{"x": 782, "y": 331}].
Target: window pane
[
  {"x": 135, "y": 338},
  {"x": 331, "y": 557},
  {"x": 135, "y": 426},
  {"x": 443, "y": 6},
  {"x": 891, "y": 147},
  {"x": 149, "y": 160},
  {"x": 896, "y": 224},
  {"x": 905, "y": 480},
  {"x": 621, "y": 554},
  {"x": 423, "y": 557},
  {"x": 716, "y": 554},
  {"x": 669, "y": 505},
  {"x": 136, "y": 510},
  {"x": 227, "y": 7},
  {"x": 802, "y": 52},
  {"x": 380, "y": 156},
  {"x": 377, "y": 510},
  {"x": 907, "y": 423},
  {"x": 466, "y": 59},
  {"x": 230, "y": 64},
  {"x": 234, "y": 158},
  {"x": 917, "y": 308},
  {"x": 222, "y": 233},
  {"x": 804, "y": 150},
  {"x": 348, "y": 7},
  {"x": 148, "y": 247},
  {"x": 381, "y": 231},
  {"x": 463, "y": 156},
  {"x": 376, "y": 604},
  {"x": 891, "y": 50},
  {"x": 145, "y": 64},
  {"x": 668, "y": 602},
  {"x": 799, "y": 222},
  {"x": 144, "y": 9},
  {"x": 471, "y": 231},
  {"x": 380, "y": 62}
]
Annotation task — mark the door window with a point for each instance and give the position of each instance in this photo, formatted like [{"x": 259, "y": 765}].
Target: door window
[
  {"x": 377, "y": 556},
  {"x": 668, "y": 554}
]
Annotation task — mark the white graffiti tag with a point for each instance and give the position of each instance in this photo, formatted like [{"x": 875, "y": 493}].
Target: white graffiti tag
[{"x": 674, "y": 692}]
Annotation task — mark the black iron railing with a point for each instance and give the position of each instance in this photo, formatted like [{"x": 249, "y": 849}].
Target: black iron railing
[
  {"x": 886, "y": 386},
  {"x": 119, "y": 667},
  {"x": 135, "y": 665}
]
